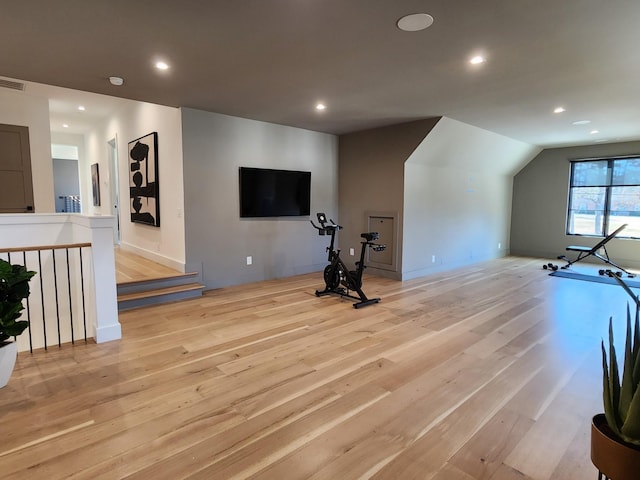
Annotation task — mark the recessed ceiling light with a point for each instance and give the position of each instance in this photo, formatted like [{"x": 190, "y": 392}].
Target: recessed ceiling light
[
  {"x": 321, "y": 106},
  {"x": 477, "y": 60},
  {"x": 415, "y": 22},
  {"x": 593, "y": 132},
  {"x": 117, "y": 81},
  {"x": 162, "y": 66},
  {"x": 65, "y": 125},
  {"x": 81, "y": 108},
  {"x": 581, "y": 122},
  {"x": 559, "y": 110}
]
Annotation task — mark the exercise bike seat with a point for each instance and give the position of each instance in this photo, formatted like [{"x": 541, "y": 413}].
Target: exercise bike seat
[{"x": 369, "y": 236}]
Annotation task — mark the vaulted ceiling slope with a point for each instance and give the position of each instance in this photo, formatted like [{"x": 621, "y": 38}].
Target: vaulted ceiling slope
[{"x": 274, "y": 60}]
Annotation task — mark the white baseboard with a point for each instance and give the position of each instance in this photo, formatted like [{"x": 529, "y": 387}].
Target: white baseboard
[
  {"x": 155, "y": 257},
  {"x": 108, "y": 333}
]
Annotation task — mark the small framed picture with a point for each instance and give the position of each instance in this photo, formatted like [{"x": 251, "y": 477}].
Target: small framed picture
[{"x": 95, "y": 184}]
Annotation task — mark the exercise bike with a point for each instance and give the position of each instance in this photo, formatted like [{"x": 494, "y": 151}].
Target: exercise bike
[{"x": 338, "y": 278}]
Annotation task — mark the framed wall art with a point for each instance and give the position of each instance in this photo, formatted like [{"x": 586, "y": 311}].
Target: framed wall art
[
  {"x": 143, "y": 180},
  {"x": 95, "y": 184}
]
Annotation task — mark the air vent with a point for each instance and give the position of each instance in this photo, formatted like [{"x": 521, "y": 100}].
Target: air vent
[{"x": 11, "y": 85}]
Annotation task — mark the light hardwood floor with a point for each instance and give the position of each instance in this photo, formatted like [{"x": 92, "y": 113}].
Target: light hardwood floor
[
  {"x": 134, "y": 268},
  {"x": 488, "y": 372}
]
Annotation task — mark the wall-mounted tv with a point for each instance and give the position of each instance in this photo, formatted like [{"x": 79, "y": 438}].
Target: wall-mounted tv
[{"x": 274, "y": 193}]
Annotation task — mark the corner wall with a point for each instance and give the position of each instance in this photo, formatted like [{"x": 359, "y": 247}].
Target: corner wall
[
  {"x": 371, "y": 179},
  {"x": 218, "y": 241},
  {"x": 540, "y": 202},
  {"x": 164, "y": 244},
  {"x": 457, "y": 197}
]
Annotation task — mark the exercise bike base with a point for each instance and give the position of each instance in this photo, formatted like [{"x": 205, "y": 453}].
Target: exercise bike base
[{"x": 343, "y": 293}]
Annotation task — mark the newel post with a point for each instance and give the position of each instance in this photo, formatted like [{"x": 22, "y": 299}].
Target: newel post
[{"x": 104, "y": 277}]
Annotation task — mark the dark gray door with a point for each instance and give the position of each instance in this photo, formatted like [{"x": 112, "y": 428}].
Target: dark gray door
[{"x": 16, "y": 187}]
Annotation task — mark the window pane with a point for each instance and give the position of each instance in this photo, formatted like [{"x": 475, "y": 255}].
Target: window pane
[
  {"x": 586, "y": 213},
  {"x": 625, "y": 208},
  {"x": 626, "y": 172},
  {"x": 589, "y": 173}
]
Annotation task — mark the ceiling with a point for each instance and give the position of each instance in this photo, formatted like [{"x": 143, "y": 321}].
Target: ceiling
[{"x": 274, "y": 60}]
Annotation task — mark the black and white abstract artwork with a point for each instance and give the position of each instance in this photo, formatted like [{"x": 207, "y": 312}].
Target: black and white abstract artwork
[{"x": 143, "y": 180}]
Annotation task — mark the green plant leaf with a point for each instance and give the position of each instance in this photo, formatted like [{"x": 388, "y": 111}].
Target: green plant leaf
[
  {"x": 627, "y": 388},
  {"x": 630, "y": 431},
  {"x": 16, "y": 328},
  {"x": 636, "y": 348},
  {"x": 614, "y": 376},
  {"x": 609, "y": 410},
  {"x": 14, "y": 288},
  {"x": 5, "y": 270}
]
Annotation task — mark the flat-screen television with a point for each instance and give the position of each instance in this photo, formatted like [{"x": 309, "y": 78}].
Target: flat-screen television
[{"x": 274, "y": 193}]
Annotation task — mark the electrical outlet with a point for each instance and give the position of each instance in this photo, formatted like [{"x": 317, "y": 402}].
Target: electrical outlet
[
  {"x": 352, "y": 251},
  {"x": 499, "y": 245},
  {"x": 433, "y": 259},
  {"x": 249, "y": 260}
]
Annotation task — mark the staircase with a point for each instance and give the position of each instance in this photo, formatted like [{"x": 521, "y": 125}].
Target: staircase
[
  {"x": 142, "y": 282},
  {"x": 153, "y": 291}
]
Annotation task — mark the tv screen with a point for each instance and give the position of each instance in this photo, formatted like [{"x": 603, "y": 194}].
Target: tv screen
[{"x": 274, "y": 193}]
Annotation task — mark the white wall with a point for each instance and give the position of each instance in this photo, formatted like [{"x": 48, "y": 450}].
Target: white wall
[
  {"x": 457, "y": 197},
  {"x": 20, "y": 108},
  {"x": 217, "y": 239},
  {"x": 164, "y": 244}
]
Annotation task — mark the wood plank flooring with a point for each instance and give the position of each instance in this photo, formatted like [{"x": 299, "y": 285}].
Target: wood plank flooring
[
  {"x": 134, "y": 268},
  {"x": 490, "y": 372}
]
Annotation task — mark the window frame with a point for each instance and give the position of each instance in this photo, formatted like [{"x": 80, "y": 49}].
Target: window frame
[{"x": 608, "y": 187}]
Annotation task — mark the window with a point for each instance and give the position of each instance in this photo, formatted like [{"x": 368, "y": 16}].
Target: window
[{"x": 603, "y": 195}]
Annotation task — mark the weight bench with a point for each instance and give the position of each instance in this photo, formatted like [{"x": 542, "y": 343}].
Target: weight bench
[{"x": 584, "y": 252}]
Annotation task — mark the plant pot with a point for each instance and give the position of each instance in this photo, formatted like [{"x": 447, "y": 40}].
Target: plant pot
[
  {"x": 612, "y": 456},
  {"x": 8, "y": 354}
]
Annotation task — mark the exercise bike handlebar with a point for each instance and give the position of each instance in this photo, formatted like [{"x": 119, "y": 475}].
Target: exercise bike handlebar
[{"x": 325, "y": 226}]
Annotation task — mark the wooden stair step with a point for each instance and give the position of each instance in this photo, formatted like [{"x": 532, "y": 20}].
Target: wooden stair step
[
  {"x": 158, "y": 292},
  {"x": 158, "y": 278}
]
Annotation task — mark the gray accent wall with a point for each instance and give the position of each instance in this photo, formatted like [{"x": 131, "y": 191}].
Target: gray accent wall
[
  {"x": 540, "y": 202},
  {"x": 371, "y": 181},
  {"x": 218, "y": 241},
  {"x": 66, "y": 181}
]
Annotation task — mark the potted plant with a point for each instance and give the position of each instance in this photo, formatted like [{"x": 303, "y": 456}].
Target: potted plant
[
  {"x": 14, "y": 287},
  {"x": 615, "y": 434}
]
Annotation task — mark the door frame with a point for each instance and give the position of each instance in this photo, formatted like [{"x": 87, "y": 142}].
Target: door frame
[
  {"x": 25, "y": 149},
  {"x": 393, "y": 247},
  {"x": 112, "y": 154}
]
